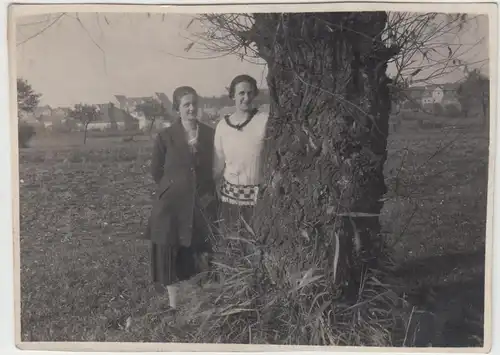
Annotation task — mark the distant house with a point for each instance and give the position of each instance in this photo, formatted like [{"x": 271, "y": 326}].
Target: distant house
[
  {"x": 210, "y": 111},
  {"x": 40, "y": 111},
  {"x": 216, "y": 102},
  {"x": 450, "y": 96},
  {"x": 30, "y": 118},
  {"x": 439, "y": 92},
  {"x": 413, "y": 97},
  {"x": 60, "y": 114},
  {"x": 112, "y": 117},
  {"x": 121, "y": 102},
  {"x": 428, "y": 95},
  {"x": 61, "y": 111},
  {"x": 427, "y": 98},
  {"x": 40, "y": 116},
  {"x": 45, "y": 116},
  {"x": 50, "y": 121},
  {"x": 129, "y": 104},
  {"x": 163, "y": 98}
]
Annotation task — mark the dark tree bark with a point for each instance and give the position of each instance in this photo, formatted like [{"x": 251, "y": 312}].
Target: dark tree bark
[
  {"x": 485, "y": 107},
  {"x": 85, "y": 131},
  {"x": 153, "y": 120},
  {"x": 112, "y": 118},
  {"x": 326, "y": 141}
]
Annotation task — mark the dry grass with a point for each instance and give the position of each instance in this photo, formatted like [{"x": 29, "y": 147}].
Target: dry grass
[{"x": 85, "y": 275}]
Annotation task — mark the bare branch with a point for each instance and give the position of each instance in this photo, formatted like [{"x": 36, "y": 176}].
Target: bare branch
[{"x": 52, "y": 23}]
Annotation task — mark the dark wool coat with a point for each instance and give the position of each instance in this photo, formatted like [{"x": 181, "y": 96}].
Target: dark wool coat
[{"x": 183, "y": 180}]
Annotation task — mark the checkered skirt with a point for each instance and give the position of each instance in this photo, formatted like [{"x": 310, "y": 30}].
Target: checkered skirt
[{"x": 242, "y": 195}]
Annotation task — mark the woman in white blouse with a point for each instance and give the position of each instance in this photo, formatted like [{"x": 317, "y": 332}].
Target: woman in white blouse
[{"x": 238, "y": 147}]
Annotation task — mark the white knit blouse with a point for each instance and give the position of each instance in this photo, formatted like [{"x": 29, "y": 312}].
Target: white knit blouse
[{"x": 237, "y": 154}]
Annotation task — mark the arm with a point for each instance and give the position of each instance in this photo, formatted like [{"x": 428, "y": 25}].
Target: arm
[
  {"x": 219, "y": 160},
  {"x": 158, "y": 159},
  {"x": 263, "y": 153}
]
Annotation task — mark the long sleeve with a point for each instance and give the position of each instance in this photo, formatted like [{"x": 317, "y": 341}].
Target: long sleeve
[
  {"x": 262, "y": 159},
  {"x": 158, "y": 159},
  {"x": 218, "y": 156}
]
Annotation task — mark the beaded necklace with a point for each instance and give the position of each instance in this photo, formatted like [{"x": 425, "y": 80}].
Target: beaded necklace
[{"x": 240, "y": 126}]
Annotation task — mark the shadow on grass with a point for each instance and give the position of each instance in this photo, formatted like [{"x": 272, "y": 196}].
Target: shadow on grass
[
  {"x": 443, "y": 264},
  {"x": 449, "y": 289}
]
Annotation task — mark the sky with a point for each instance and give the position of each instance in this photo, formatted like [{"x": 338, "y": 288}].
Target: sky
[{"x": 93, "y": 57}]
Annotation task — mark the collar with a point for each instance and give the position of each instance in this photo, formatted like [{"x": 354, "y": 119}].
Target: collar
[{"x": 242, "y": 125}]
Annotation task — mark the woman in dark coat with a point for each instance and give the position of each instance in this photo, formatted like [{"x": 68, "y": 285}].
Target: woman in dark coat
[{"x": 181, "y": 166}]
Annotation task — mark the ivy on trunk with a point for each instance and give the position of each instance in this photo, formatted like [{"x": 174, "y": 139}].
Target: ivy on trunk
[{"x": 326, "y": 142}]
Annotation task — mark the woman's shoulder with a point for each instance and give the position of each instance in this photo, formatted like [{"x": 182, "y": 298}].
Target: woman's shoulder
[
  {"x": 168, "y": 128},
  {"x": 164, "y": 136},
  {"x": 261, "y": 117},
  {"x": 222, "y": 123}
]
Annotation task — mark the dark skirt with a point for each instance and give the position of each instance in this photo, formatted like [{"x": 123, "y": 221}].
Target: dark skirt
[
  {"x": 230, "y": 216},
  {"x": 172, "y": 264},
  {"x": 163, "y": 264}
]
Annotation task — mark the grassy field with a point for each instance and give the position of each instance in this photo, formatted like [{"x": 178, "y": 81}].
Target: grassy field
[{"x": 85, "y": 275}]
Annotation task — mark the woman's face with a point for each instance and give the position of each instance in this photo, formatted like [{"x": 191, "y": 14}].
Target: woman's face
[
  {"x": 188, "y": 107},
  {"x": 244, "y": 95}
]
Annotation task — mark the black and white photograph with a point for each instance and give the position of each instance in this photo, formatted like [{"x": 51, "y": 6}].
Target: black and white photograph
[{"x": 294, "y": 175}]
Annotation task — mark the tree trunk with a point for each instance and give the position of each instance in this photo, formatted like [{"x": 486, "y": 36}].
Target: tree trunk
[
  {"x": 485, "y": 106},
  {"x": 326, "y": 141},
  {"x": 85, "y": 129},
  {"x": 112, "y": 118},
  {"x": 152, "y": 119}
]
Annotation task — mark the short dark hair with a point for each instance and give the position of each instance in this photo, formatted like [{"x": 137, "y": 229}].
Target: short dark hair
[
  {"x": 179, "y": 93},
  {"x": 242, "y": 79}
]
